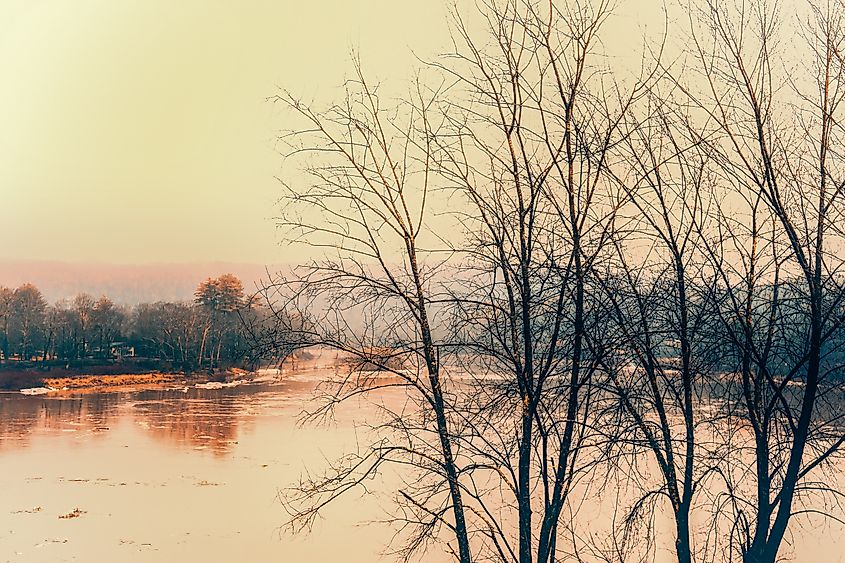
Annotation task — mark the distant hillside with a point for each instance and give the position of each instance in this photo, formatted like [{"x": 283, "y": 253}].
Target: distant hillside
[{"x": 124, "y": 283}]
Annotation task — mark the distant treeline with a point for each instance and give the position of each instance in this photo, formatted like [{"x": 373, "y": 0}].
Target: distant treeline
[{"x": 205, "y": 333}]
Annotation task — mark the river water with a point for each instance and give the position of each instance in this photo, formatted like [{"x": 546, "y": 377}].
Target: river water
[
  {"x": 171, "y": 475},
  {"x": 191, "y": 474}
]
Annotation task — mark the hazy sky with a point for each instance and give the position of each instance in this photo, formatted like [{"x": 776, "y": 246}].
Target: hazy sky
[{"x": 137, "y": 131}]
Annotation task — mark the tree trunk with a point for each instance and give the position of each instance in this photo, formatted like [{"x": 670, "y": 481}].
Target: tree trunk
[
  {"x": 432, "y": 360},
  {"x": 202, "y": 346},
  {"x": 683, "y": 548},
  {"x": 524, "y": 500},
  {"x": 451, "y": 472}
]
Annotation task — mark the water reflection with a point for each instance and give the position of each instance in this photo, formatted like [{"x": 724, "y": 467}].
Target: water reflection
[
  {"x": 21, "y": 416},
  {"x": 199, "y": 419},
  {"x": 193, "y": 475},
  {"x": 185, "y": 416},
  {"x": 171, "y": 475}
]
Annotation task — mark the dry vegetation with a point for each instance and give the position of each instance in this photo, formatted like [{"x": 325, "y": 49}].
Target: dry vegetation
[{"x": 88, "y": 381}]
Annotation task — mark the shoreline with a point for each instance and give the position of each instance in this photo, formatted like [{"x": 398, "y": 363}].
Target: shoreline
[
  {"x": 135, "y": 381},
  {"x": 109, "y": 383}
]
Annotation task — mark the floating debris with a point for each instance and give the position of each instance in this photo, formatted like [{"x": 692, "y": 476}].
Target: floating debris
[
  {"x": 75, "y": 513},
  {"x": 37, "y": 390},
  {"x": 49, "y": 541},
  {"x": 218, "y": 384},
  {"x": 28, "y": 511}
]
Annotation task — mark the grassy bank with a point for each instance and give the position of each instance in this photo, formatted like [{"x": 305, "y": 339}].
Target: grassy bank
[{"x": 16, "y": 376}]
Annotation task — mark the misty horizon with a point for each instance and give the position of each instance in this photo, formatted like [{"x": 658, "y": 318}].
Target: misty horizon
[{"x": 126, "y": 283}]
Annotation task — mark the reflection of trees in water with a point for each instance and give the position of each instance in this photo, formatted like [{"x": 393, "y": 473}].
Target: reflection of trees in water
[
  {"x": 200, "y": 418},
  {"x": 17, "y": 419},
  {"x": 20, "y": 415},
  {"x": 196, "y": 418}
]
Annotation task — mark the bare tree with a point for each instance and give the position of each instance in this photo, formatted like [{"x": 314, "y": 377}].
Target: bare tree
[
  {"x": 774, "y": 130},
  {"x": 641, "y": 277},
  {"x": 6, "y": 300},
  {"x": 662, "y": 375},
  {"x": 221, "y": 299},
  {"x": 531, "y": 148},
  {"x": 367, "y": 207},
  {"x": 27, "y": 321}
]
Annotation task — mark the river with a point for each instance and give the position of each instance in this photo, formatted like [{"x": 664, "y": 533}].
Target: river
[
  {"x": 171, "y": 475},
  {"x": 188, "y": 474}
]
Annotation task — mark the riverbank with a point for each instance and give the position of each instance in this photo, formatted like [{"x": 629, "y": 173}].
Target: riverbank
[
  {"x": 145, "y": 372},
  {"x": 34, "y": 382},
  {"x": 96, "y": 381}
]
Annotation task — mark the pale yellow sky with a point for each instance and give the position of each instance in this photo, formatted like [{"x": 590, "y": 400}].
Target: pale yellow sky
[{"x": 137, "y": 131}]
